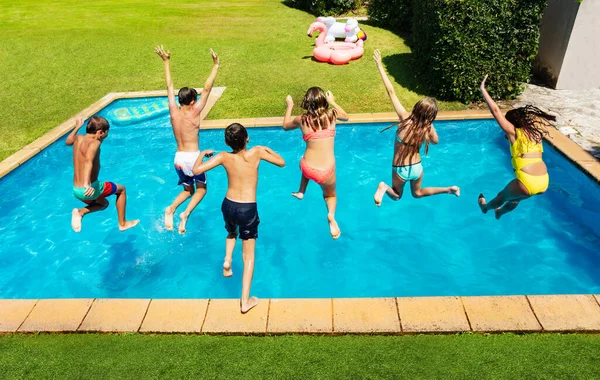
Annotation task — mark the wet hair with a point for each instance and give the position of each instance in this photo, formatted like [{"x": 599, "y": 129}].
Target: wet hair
[
  {"x": 417, "y": 126},
  {"x": 95, "y": 124},
  {"x": 531, "y": 120},
  {"x": 186, "y": 95},
  {"x": 236, "y": 137},
  {"x": 318, "y": 115}
]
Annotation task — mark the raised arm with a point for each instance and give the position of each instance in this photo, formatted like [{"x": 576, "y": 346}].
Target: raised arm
[
  {"x": 199, "y": 106},
  {"x": 290, "y": 123},
  {"x": 402, "y": 113},
  {"x": 495, "y": 110},
  {"x": 270, "y": 156},
  {"x": 202, "y": 167},
  {"x": 166, "y": 57},
  {"x": 71, "y": 138},
  {"x": 341, "y": 114}
]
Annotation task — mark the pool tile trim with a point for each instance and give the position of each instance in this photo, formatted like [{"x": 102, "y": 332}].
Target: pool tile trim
[{"x": 536, "y": 314}]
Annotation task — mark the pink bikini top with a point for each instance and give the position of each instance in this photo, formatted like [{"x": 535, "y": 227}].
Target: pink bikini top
[{"x": 320, "y": 134}]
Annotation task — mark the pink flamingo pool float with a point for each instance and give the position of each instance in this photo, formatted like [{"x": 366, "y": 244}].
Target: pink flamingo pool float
[{"x": 338, "y": 53}]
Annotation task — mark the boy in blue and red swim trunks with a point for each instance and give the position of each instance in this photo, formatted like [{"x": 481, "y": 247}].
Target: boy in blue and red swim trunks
[{"x": 86, "y": 163}]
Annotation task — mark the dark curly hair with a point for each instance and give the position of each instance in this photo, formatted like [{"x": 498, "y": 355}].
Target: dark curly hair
[{"x": 531, "y": 120}]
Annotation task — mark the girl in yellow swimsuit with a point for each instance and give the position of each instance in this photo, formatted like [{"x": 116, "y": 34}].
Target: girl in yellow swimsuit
[{"x": 525, "y": 129}]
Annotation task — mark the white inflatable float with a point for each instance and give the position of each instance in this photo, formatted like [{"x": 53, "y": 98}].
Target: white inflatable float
[{"x": 349, "y": 31}]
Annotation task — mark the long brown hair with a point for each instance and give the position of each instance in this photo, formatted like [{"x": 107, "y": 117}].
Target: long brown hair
[
  {"x": 417, "y": 126},
  {"x": 318, "y": 115},
  {"x": 531, "y": 120}
]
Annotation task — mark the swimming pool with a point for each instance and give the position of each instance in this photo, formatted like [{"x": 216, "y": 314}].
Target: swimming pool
[{"x": 439, "y": 245}]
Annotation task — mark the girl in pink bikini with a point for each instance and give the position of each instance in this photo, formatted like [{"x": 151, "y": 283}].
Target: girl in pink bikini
[{"x": 318, "y": 130}]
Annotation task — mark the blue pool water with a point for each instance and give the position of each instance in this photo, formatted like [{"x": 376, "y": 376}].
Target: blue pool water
[{"x": 440, "y": 245}]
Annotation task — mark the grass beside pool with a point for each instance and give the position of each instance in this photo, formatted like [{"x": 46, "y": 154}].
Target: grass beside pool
[
  {"x": 58, "y": 57},
  {"x": 197, "y": 356}
]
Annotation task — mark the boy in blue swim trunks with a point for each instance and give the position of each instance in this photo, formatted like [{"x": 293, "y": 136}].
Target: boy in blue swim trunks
[
  {"x": 86, "y": 162},
  {"x": 186, "y": 123},
  {"x": 239, "y": 206}
]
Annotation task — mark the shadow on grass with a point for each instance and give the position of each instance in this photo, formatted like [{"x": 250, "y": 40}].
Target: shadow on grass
[{"x": 401, "y": 67}]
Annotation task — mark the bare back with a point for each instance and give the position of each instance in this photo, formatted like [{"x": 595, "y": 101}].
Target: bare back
[
  {"x": 242, "y": 174},
  {"x": 81, "y": 147},
  {"x": 186, "y": 124},
  {"x": 319, "y": 153}
]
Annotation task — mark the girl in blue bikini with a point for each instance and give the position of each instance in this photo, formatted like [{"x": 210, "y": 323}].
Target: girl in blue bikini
[{"x": 414, "y": 129}]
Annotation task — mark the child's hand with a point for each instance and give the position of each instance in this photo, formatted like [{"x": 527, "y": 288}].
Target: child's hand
[
  {"x": 209, "y": 153},
  {"x": 165, "y": 55},
  {"x": 215, "y": 57},
  {"x": 289, "y": 101},
  {"x": 78, "y": 122},
  {"x": 482, "y": 85},
  {"x": 377, "y": 57},
  {"x": 329, "y": 97},
  {"x": 89, "y": 191}
]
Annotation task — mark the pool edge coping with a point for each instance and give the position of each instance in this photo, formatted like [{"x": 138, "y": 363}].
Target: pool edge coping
[{"x": 573, "y": 313}]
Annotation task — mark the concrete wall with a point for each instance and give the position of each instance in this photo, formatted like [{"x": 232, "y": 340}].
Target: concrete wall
[{"x": 569, "y": 50}]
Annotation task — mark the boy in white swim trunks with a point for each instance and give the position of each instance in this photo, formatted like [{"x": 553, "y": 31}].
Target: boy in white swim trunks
[
  {"x": 86, "y": 165},
  {"x": 240, "y": 213},
  {"x": 186, "y": 123}
]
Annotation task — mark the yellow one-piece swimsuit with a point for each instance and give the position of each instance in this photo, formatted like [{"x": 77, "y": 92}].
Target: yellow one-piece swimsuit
[{"x": 522, "y": 145}]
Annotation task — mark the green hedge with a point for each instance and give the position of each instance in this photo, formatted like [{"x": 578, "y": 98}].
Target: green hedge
[
  {"x": 394, "y": 15},
  {"x": 456, "y": 42},
  {"x": 325, "y": 7}
]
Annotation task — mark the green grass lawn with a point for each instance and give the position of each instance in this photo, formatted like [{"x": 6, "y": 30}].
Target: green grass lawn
[
  {"x": 57, "y": 57},
  {"x": 196, "y": 356}
]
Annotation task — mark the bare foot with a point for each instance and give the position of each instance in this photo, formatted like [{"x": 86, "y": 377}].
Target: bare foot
[
  {"x": 76, "y": 220},
  {"x": 128, "y": 224},
  {"x": 169, "y": 218},
  {"x": 455, "y": 190},
  {"x": 298, "y": 195},
  {"x": 378, "y": 197},
  {"x": 482, "y": 203},
  {"x": 245, "y": 307},
  {"x": 227, "y": 272},
  {"x": 333, "y": 227},
  {"x": 182, "y": 222}
]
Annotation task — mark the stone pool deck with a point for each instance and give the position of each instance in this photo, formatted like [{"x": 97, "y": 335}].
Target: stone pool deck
[{"x": 414, "y": 315}]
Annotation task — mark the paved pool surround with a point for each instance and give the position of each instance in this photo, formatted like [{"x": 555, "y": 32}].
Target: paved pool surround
[{"x": 403, "y": 315}]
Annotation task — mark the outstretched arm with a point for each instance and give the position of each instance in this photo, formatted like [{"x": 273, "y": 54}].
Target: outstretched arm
[
  {"x": 199, "y": 106},
  {"x": 202, "y": 167},
  {"x": 71, "y": 138},
  {"x": 290, "y": 123},
  {"x": 341, "y": 114},
  {"x": 166, "y": 56},
  {"x": 270, "y": 156},
  {"x": 495, "y": 110},
  {"x": 402, "y": 114}
]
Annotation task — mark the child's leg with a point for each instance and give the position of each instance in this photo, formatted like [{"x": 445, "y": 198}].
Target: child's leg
[
  {"x": 248, "y": 257},
  {"x": 418, "y": 192},
  {"x": 78, "y": 213},
  {"x": 229, "y": 247},
  {"x": 514, "y": 191},
  {"x": 121, "y": 203},
  {"x": 196, "y": 198},
  {"x": 187, "y": 192},
  {"x": 302, "y": 189},
  {"x": 506, "y": 208},
  {"x": 395, "y": 192},
  {"x": 329, "y": 194}
]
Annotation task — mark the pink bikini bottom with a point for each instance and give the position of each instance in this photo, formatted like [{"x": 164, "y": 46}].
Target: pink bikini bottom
[{"x": 317, "y": 175}]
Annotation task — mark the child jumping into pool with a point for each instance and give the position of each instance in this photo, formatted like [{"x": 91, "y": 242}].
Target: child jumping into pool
[
  {"x": 239, "y": 206},
  {"x": 524, "y": 128},
  {"x": 414, "y": 130},
  {"x": 318, "y": 130},
  {"x": 186, "y": 124},
  {"x": 86, "y": 163}
]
